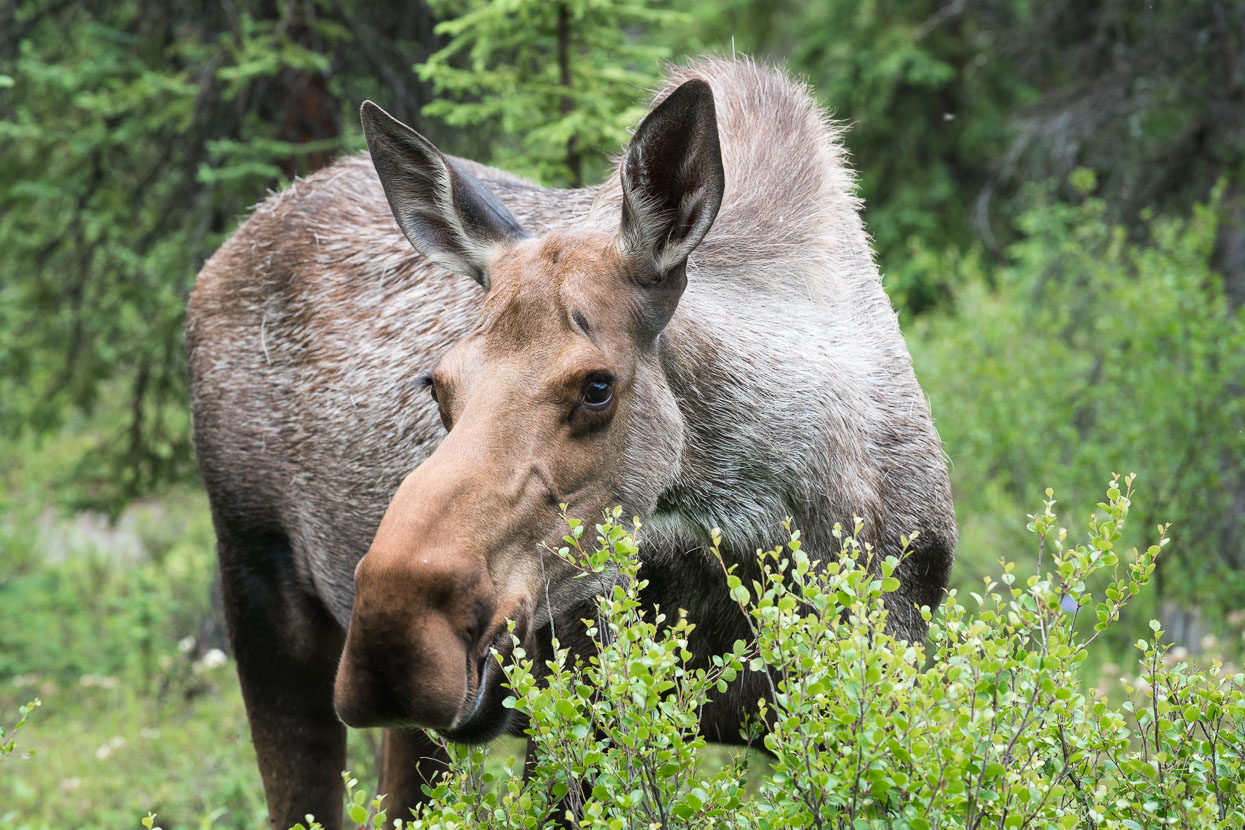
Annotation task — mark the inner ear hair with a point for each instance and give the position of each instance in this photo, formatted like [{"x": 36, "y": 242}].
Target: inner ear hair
[
  {"x": 672, "y": 182},
  {"x": 446, "y": 213}
]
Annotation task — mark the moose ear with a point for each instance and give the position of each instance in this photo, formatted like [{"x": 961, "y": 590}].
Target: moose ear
[
  {"x": 448, "y": 215},
  {"x": 672, "y": 183}
]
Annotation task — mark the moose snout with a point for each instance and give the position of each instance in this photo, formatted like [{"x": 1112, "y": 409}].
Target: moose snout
[{"x": 418, "y": 640}]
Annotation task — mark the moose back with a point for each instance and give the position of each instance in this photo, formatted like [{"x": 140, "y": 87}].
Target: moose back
[{"x": 403, "y": 364}]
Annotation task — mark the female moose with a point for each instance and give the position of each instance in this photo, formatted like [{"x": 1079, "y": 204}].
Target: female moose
[{"x": 703, "y": 339}]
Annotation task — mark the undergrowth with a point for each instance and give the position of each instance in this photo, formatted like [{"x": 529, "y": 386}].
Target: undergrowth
[{"x": 985, "y": 725}]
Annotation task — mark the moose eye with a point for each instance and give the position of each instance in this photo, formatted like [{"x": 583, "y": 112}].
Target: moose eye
[
  {"x": 598, "y": 392},
  {"x": 425, "y": 380}
]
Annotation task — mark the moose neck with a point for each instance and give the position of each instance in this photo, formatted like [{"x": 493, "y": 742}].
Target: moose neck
[{"x": 772, "y": 427}]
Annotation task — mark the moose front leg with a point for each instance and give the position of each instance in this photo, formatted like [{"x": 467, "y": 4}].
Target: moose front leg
[
  {"x": 409, "y": 759},
  {"x": 286, "y": 646}
]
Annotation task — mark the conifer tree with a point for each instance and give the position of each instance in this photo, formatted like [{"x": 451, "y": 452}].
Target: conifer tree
[{"x": 557, "y": 84}]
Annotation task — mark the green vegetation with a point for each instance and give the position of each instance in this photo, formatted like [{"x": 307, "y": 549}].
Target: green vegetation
[
  {"x": 554, "y": 83},
  {"x": 112, "y": 629},
  {"x": 984, "y": 726},
  {"x": 8, "y": 743},
  {"x": 1057, "y": 195},
  {"x": 1087, "y": 351}
]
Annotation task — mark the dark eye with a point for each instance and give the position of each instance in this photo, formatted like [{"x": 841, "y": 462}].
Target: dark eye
[
  {"x": 425, "y": 380},
  {"x": 598, "y": 392}
]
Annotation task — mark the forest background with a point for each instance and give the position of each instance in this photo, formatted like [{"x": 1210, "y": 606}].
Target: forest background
[{"x": 1056, "y": 191}]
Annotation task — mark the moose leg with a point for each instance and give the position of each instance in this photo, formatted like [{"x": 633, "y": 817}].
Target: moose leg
[
  {"x": 286, "y": 647},
  {"x": 409, "y": 759}
]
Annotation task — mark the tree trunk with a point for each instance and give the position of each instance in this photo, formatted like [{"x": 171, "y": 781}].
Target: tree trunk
[{"x": 573, "y": 159}]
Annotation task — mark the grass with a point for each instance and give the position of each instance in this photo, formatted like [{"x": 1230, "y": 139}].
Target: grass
[
  {"x": 106, "y": 756},
  {"x": 111, "y": 626}
]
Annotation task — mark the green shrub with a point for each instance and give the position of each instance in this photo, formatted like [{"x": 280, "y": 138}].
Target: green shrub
[
  {"x": 615, "y": 736},
  {"x": 985, "y": 726},
  {"x": 1095, "y": 350},
  {"x": 8, "y": 743}
]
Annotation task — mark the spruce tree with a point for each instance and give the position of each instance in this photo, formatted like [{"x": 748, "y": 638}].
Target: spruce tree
[{"x": 557, "y": 84}]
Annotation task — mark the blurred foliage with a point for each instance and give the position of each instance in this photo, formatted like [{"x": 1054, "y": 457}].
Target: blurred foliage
[
  {"x": 112, "y": 628},
  {"x": 1090, "y": 352},
  {"x": 135, "y": 134},
  {"x": 556, "y": 85}
]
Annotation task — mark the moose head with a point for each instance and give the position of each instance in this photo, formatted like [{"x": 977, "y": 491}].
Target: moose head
[{"x": 557, "y": 396}]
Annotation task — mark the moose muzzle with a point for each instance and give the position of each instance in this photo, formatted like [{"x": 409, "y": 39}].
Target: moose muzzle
[{"x": 424, "y": 620}]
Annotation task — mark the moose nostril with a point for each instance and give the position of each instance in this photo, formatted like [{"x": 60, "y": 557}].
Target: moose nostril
[{"x": 479, "y": 622}]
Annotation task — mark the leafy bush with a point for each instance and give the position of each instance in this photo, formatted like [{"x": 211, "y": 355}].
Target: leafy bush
[
  {"x": 615, "y": 735},
  {"x": 1092, "y": 350},
  {"x": 986, "y": 725},
  {"x": 8, "y": 743}
]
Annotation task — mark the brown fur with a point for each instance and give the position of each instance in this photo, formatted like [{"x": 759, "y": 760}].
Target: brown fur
[{"x": 764, "y": 376}]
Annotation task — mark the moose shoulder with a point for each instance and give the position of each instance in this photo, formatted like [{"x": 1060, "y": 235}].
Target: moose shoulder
[{"x": 402, "y": 365}]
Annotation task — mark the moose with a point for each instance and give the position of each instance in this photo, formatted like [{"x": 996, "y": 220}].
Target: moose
[{"x": 405, "y": 363}]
